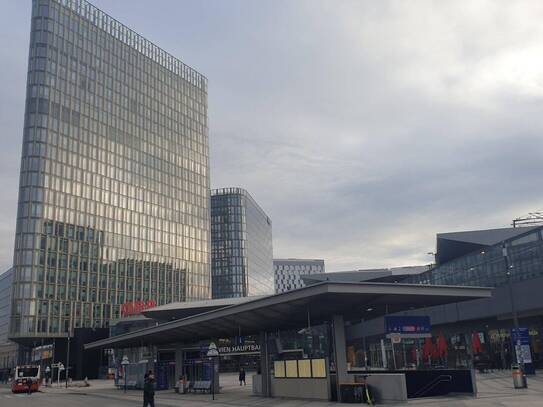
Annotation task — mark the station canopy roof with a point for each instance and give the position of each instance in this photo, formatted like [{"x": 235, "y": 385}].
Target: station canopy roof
[
  {"x": 291, "y": 310},
  {"x": 179, "y": 310}
]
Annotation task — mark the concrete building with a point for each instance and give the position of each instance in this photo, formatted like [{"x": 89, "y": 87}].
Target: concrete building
[
  {"x": 114, "y": 184},
  {"x": 241, "y": 245},
  {"x": 288, "y": 272}
]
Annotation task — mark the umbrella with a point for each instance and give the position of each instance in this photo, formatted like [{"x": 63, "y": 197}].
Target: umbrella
[
  {"x": 435, "y": 352},
  {"x": 414, "y": 354},
  {"x": 442, "y": 348},
  {"x": 476, "y": 343},
  {"x": 427, "y": 349}
]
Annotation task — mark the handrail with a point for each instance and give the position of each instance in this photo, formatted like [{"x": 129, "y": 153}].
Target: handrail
[{"x": 440, "y": 379}]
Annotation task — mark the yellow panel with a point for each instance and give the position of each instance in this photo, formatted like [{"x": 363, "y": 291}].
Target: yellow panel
[
  {"x": 279, "y": 368},
  {"x": 292, "y": 368},
  {"x": 319, "y": 367},
  {"x": 304, "y": 368}
]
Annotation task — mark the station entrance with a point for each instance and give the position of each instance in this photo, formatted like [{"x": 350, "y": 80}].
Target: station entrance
[
  {"x": 321, "y": 369},
  {"x": 199, "y": 373}
]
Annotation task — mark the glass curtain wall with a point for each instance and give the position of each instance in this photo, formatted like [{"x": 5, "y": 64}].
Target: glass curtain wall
[
  {"x": 241, "y": 245},
  {"x": 114, "y": 182},
  {"x": 486, "y": 268}
]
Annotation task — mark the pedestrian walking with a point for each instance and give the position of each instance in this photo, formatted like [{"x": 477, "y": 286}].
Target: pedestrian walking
[
  {"x": 29, "y": 384},
  {"x": 149, "y": 391},
  {"x": 242, "y": 376}
]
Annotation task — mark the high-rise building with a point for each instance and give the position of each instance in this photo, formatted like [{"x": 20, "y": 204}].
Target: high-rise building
[
  {"x": 114, "y": 183},
  {"x": 288, "y": 272},
  {"x": 241, "y": 245}
]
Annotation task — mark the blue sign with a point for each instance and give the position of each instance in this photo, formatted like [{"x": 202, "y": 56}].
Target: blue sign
[
  {"x": 521, "y": 342},
  {"x": 520, "y": 334},
  {"x": 406, "y": 325}
]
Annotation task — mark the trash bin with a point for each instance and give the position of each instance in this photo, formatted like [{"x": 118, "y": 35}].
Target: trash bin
[
  {"x": 519, "y": 378},
  {"x": 347, "y": 394}
]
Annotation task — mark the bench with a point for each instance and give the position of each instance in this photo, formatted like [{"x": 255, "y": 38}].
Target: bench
[{"x": 201, "y": 386}]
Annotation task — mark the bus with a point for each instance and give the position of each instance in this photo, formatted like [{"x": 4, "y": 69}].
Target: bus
[{"x": 22, "y": 375}]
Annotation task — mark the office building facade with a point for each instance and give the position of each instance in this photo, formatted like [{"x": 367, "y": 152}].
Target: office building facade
[
  {"x": 288, "y": 272},
  {"x": 114, "y": 183},
  {"x": 241, "y": 245}
]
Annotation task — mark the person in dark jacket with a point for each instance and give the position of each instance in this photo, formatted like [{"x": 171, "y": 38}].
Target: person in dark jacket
[
  {"x": 149, "y": 391},
  {"x": 242, "y": 376},
  {"x": 29, "y": 384}
]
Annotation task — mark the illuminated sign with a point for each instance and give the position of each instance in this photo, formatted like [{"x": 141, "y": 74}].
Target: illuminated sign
[
  {"x": 136, "y": 307},
  {"x": 225, "y": 350},
  {"x": 408, "y": 325}
]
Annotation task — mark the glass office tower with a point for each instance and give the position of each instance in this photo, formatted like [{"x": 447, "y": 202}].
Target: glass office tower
[
  {"x": 241, "y": 245},
  {"x": 114, "y": 183}
]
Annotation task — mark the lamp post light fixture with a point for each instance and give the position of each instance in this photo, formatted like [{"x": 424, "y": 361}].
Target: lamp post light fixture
[
  {"x": 212, "y": 353},
  {"x": 125, "y": 362}
]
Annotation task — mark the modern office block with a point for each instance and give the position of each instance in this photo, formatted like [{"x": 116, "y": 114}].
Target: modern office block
[
  {"x": 288, "y": 272},
  {"x": 114, "y": 183},
  {"x": 241, "y": 245}
]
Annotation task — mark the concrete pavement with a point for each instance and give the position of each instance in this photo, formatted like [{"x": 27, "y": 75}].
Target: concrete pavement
[{"x": 495, "y": 390}]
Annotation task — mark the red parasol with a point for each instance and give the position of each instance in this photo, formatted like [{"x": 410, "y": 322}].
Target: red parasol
[
  {"x": 435, "y": 352},
  {"x": 476, "y": 343},
  {"x": 427, "y": 349},
  {"x": 442, "y": 348}
]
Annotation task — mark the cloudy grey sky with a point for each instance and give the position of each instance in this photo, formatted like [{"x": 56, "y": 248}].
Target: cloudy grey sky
[{"x": 362, "y": 127}]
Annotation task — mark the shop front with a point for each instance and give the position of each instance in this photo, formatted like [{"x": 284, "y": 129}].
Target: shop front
[{"x": 484, "y": 345}]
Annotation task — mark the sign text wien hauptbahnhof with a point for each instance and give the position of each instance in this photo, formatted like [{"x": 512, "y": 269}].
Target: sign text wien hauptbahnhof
[{"x": 225, "y": 350}]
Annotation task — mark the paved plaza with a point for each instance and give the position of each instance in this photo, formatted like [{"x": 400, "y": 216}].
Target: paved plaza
[{"x": 495, "y": 389}]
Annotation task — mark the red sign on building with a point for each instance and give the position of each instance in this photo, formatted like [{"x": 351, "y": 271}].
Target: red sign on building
[{"x": 136, "y": 307}]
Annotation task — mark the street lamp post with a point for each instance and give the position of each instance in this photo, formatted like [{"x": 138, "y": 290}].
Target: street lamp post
[
  {"x": 67, "y": 359},
  {"x": 125, "y": 362},
  {"x": 509, "y": 274},
  {"x": 212, "y": 353}
]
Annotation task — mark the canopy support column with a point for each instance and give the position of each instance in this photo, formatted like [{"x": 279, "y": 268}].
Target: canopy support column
[
  {"x": 265, "y": 365},
  {"x": 340, "y": 352},
  {"x": 179, "y": 361}
]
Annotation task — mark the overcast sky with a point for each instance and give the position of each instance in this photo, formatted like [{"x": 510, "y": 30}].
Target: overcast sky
[{"x": 362, "y": 128}]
